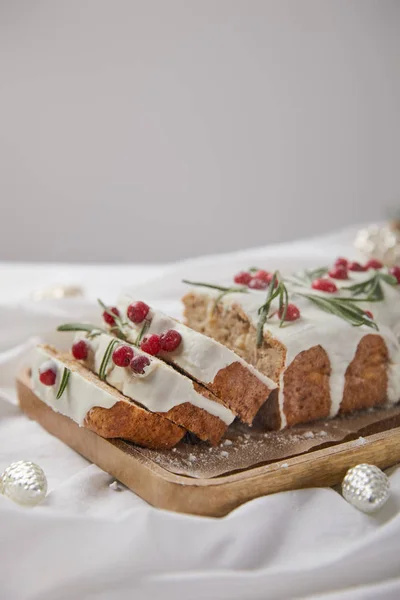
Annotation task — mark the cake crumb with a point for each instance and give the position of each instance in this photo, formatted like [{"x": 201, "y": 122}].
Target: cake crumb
[
  {"x": 284, "y": 465},
  {"x": 247, "y": 436},
  {"x": 308, "y": 435},
  {"x": 173, "y": 449},
  {"x": 114, "y": 486},
  {"x": 361, "y": 441},
  {"x": 210, "y": 449},
  {"x": 224, "y": 453},
  {"x": 192, "y": 458},
  {"x": 323, "y": 434},
  {"x": 227, "y": 442}
]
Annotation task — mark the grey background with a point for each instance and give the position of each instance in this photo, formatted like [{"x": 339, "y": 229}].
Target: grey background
[{"x": 153, "y": 130}]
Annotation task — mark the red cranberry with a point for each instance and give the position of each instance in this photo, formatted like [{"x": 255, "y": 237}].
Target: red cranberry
[
  {"x": 395, "y": 272},
  {"x": 341, "y": 262},
  {"x": 355, "y": 266},
  {"x": 292, "y": 313},
  {"x": 108, "y": 318},
  {"x": 122, "y": 356},
  {"x": 48, "y": 373},
  {"x": 369, "y": 314},
  {"x": 324, "y": 285},
  {"x": 374, "y": 264},
  {"x": 257, "y": 284},
  {"x": 151, "y": 344},
  {"x": 139, "y": 363},
  {"x": 170, "y": 340},
  {"x": 137, "y": 312},
  {"x": 80, "y": 350},
  {"x": 263, "y": 275},
  {"x": 339, "y": 272},
  {"x": 242, "y": 278}
]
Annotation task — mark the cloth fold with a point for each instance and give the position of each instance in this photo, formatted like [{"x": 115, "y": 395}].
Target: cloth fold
[{"x": 94, "y": 540}]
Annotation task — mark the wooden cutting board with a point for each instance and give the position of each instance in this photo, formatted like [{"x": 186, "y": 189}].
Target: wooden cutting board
[{"x": 214, "y": 497}]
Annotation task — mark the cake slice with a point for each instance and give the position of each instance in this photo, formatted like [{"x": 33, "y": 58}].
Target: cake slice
[
  {"x": 237, "y": 383},
  {"x": 329, "y": 342},
  {"x": 154, "y": 384},
  {"x": 70, "y": 389}
]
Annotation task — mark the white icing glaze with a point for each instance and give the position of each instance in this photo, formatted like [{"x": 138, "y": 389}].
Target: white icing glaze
[
  {"x": 337, "y": 337},
  {"x": 78, "y": 398},
  {"x": 160, "y": 390},
  {"x": 198, "y": 355}
]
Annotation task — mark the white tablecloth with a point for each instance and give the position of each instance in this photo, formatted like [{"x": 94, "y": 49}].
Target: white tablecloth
[{"x": 90, "y": 541}]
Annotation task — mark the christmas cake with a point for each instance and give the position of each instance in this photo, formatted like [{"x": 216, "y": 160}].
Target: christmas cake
[
  {"x": 153, "y": 384},
  {"x": 226, "y": 374},
  {"x": 328, "y": 337},
  {"x": 68, "y": 388}
]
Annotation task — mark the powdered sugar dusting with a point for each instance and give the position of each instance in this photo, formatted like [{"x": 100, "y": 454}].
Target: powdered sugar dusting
[{"x": 244, "y": 447}]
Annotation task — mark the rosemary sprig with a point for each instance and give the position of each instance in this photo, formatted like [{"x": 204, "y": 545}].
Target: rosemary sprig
[
  {"x": 306, "y": 277},
  {"x": 273, "y": 292},
  {"x": 106, "y": 358},
  {"x": 372, "y": 287},
  {"x": 226, "y": 290},
  {"x": 81, "y": 327},
  {"x": 118, "y": 328},
  {"x": 63, "y": 383},
  {"x": 340, "y": 307},
  {"x": 142, "y": 332}
]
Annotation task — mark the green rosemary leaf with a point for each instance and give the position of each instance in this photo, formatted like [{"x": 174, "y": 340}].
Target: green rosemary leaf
[
  {"x": 106, "y": 358},
  {"x": 94, "y": 333},
  {"x": 283, "y": 302},
  {"x": 389, "y": 279},
  {"x": 142, "y": 332},
  {"x": 64, "y": 382},
  {"x": 254, "y": 269},
  {"x": 212, "y": 286},
  {"x": 307, "y": 276},
  {"x": 372, "y": 288},
  {"x": 336, "y": 306},
  {"x": 118, "y": 328},
  {"x": 263, "y": 311},
  {"x": 316, "y": 273},
  {"x": 79, "y": 327}
]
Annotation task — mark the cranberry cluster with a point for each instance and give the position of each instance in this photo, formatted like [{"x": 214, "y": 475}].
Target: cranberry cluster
[
  {"x": 153, "y": 344},
  {"x": 342, "y": 266},
  {"x": 124, "y": 356},
  {"x": 255, "y": 281},
  {"x": 260, "y": 280},
  {"x": 340, "y": 270}
]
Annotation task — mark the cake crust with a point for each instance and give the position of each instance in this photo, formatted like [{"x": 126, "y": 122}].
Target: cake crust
[
  {"x": 124, "y": 419},
  {"x": 306, "y": 382}
]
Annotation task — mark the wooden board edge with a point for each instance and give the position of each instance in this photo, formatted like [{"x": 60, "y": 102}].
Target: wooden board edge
[{"x": 209, "y": 497}]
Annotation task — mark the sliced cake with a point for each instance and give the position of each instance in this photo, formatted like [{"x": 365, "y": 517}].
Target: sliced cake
[
  {"x": 70, "y": 389},
  {"x": 153, "y": 384},
  {"x": 226, "y": 374}
]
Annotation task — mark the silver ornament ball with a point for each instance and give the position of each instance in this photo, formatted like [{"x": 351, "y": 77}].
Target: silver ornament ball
[
  {"x": 366, "y": 487},
  {"x": 24, "y": 482}
]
